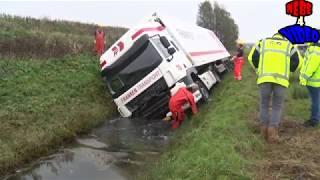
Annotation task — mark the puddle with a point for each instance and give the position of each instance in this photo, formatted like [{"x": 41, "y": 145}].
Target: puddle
[{"x": 114, "y": 151}]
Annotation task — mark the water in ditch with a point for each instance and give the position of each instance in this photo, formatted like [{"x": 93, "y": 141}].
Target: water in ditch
[{"x": 117, "y": 150}]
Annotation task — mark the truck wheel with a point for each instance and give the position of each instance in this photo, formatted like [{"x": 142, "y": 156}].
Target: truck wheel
[
  {"x": 204, "y": 91},
  {"x": 217, "y": 76},
  {"x": 229, "y": 65}
]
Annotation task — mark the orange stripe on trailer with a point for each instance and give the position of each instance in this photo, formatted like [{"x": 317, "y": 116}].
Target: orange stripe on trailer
[{"x": 203, "y": 53}]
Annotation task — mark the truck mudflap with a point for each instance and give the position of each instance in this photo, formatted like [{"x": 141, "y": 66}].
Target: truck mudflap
[{"x": 208, "y": 79}]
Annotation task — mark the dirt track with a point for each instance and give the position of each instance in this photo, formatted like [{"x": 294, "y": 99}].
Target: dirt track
[{"x": 297, "y": 156}]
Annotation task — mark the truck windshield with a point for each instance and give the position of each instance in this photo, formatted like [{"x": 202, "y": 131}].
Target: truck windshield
[{"x": 144, "y": 60}]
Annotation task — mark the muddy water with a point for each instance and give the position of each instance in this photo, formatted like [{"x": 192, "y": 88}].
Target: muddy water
[{"x": 116, "y": 150}]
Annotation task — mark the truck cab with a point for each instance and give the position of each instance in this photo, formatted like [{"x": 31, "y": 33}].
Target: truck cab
[{"x": 146, "y": 62}]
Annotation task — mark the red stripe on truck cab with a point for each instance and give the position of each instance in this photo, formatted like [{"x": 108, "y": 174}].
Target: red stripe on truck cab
[
  {"x": 140, "y": 31},
  {"x": 103, "y": 63}
]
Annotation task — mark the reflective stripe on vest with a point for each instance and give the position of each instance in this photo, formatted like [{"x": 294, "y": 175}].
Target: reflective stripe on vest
[
  {"x": 276, "y": 75},
  {"x": 262, "y": 55},
  {"x": 306, "y": 62},
  {"x": 314, "y": 52},
  {"x": 308, "y": 54},
  {"x": 257, "y": 48},
  {"x": 293, "y": 51},
  {"x": 309, "y": 78}
]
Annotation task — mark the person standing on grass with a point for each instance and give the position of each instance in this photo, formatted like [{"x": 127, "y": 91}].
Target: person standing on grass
[
  {"x": 238, "y": 61},
  {"x": 310, "y": 77},
  {"x": 273, "y": 59},
  {"x": 99, "y": 40}
]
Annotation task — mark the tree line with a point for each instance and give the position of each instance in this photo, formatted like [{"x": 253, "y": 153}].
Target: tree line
[{"x": 219, "y": 20}]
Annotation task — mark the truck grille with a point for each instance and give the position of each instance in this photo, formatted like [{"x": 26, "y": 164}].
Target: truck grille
[{"x": 153, "y": 102}]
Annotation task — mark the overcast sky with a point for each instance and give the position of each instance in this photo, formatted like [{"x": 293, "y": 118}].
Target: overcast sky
[{"x": 256, "y": 19}]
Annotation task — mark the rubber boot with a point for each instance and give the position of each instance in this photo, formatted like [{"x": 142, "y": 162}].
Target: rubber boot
[
  {"x": 273, "y": 137},
  {"x": 264, "y": 132}
]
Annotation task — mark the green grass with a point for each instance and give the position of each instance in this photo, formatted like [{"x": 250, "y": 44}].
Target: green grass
[
  {"x": 217, "y": 143},
  {"x": 298, "y": 102},
  {"x": 221, "y": 142},
  {"x": 43, "y": 38},
  {"x": 45, "y": 102},
  {"x": 49, "y": 91}
]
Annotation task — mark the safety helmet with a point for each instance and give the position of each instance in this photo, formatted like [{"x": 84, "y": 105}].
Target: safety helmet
[
  {"x": 100, "y": 25},
  {"x": 278, "y": 35},
  {"x": 239, "y": 41},
  {"x": 175, "y": 89}
]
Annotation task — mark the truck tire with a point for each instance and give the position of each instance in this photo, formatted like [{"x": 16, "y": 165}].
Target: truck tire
[
  {"x": 204, "y": 91},
  {"x": 216, "y": 75},
  {"x": 229, "y": 65}
]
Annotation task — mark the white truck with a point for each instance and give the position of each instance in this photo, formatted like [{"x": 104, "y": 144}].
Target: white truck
[{"x": 148, "y": 60}]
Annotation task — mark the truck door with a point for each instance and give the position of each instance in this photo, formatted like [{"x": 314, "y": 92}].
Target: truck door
[{"x": 174, "y": 66}]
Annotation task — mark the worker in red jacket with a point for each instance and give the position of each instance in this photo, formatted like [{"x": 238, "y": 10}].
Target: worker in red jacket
[
  {"x": 238, "y": 61},
  {"x": 99, "y": 41},
  {"x": 180, "y": 96}
]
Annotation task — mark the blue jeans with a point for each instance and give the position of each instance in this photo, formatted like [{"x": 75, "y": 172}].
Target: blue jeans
[
  {"x": 315, "y": 100},
  {"x": 275, "y": 93}
]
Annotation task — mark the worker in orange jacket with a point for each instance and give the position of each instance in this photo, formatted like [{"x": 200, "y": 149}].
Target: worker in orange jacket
[
  {"x": 238, "y": 61},
  {"x": 99, "y": 41},
  {"x": 180, "y": 96}
]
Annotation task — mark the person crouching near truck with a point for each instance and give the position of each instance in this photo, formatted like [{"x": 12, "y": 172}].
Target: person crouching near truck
[
  {"x": 310, "y": 77},
  {"x": 273, "y": 59},
  {"x": 238, "y": 61},
  {"x": 180, "y": 95}
]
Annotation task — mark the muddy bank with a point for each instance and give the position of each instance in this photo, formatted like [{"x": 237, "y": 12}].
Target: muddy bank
[{"x": 295, "y": 157}]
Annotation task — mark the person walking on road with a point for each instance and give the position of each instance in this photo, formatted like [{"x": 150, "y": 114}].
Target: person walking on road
[
  {"x": 310, "y": 77},
  {"x": 238, "y": 61},
  {"x": 273, "y": 59}
]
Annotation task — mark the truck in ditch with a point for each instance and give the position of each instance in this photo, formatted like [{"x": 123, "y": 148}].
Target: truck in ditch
[{"x": 152, "y": 57}]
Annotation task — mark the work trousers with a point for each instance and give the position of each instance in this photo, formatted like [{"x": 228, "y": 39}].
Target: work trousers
[
  {"x": 237, "y": 71},
  {"x": 275, "y": 93},
  {"x": 314, "y": 93}
]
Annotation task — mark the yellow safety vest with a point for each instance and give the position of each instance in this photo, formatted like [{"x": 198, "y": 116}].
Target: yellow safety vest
[
  {"x": 274, "y": 61},
  {"x": 310, "y": 71}
]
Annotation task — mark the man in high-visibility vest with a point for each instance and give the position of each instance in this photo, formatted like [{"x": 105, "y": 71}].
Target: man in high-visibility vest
[
  {"x": 273, "y": 59},
  {"x": 310, "y": 77}
]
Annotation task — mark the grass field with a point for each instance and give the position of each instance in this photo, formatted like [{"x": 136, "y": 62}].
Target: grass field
[
  {"x": 217, "y": 143},
  {"x": 43, "y": 38},
  {"x": 223, "y": 141},
  {"x": 45, "y": 102}
]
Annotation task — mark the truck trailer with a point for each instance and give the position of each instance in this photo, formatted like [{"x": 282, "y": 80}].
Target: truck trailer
[{"x": 143, "y": 66}]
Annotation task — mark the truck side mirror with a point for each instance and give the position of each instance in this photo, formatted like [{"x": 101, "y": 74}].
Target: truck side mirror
[
  {"x": 171, "y": 50},
  {"x": 164, "y": 41}
]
